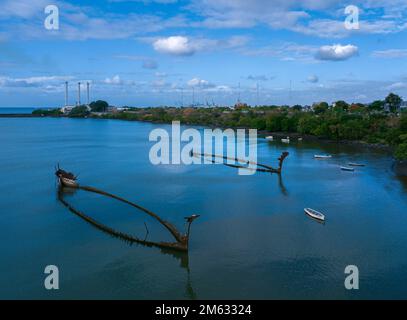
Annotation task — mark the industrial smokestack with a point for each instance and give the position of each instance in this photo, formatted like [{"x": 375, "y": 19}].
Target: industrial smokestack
[
  {"x": 79, "y": 93},
  {"x": 87, "y": 91},
  {"x": 66, "y": 93}
]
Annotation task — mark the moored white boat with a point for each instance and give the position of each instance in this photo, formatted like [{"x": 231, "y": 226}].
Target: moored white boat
[
  {"x": 314, "y": 214},
  {"x": 270, "y": 138},
  {"x": 319, "y": 156},
  {"x": 347, "y": 169},
  {"x": 352, "y": 164},
  {"x": 287, "y": 140}
]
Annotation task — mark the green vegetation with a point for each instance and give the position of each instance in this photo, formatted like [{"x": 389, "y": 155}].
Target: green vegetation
[
  {"x": 339, "y": 121},
  {"x": 99, "y": 106},
  {"x": 79, "y": 111},
  {"x": 394, "y": 101}
]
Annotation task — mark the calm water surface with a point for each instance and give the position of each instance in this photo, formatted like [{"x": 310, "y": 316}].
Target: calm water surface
[
  {"x": 16, "y": 110},
  {"x": 252, "y": 240}
]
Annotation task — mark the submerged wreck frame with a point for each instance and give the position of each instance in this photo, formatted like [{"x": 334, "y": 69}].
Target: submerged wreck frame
[
  {"x": 181, "y": 240},
  {"x": 68, "y": 181},
  {"x": 263, "y": 167}
]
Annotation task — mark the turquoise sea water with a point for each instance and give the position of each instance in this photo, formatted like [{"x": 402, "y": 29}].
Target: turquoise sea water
[{"x": 251, "y": 241}]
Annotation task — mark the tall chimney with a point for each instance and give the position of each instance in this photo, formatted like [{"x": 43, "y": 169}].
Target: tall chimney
[
  {"x": 79, "y": 93},
  {"x": 87, "y": 91},
  {"x": 66, "y": 93}
]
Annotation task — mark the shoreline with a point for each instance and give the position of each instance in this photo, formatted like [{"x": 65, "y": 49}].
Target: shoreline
[
  {"x": 308, "y": 137},
  {"x": 399, "y": 167},
  {"x": 260, "y": 134}
]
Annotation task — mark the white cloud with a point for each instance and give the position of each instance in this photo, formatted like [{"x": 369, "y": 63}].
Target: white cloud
[
  {"x": 313, "y": 78},
  {"x": 286, "y": 52},
  {"x": 196, "y": 82},
  {"x": 258, "y": 78},
  {"x": 114, "y": 80},
  {"x": 161, "y": 74},
  {"x": 159, "y": 83},
  {"x": 24, "y": 20},
  {"x": 397, "y": 86},
  {"x": 298, "y": 15},
  {"x": 84, "y": 22},
  {"x": 175, "y": 45},
  {"x": 337, "y": 52},
  {"x": 220, "y": 89},
  {"x": 390, "y": 53},
  {"x": 23, "y": 8},
  {"x": 32, "y": 81},
  {"x": 186, "y": 46}
]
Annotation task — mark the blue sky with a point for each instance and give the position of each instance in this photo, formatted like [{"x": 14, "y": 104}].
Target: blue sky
[{"x": 158, "y": 52}]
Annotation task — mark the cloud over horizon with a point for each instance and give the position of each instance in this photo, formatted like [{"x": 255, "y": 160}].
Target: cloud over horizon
[{"x": 337, "y": 52}]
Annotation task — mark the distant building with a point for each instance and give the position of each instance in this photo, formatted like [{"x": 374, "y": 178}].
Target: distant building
[
  {"x": 403, "y": 106},
  {"x": 67, "y": 109},
  {"x": 122, "y": 109},
  {"x": 240, "y": 105}
]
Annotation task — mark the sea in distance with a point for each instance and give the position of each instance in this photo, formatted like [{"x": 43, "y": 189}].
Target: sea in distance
[{"x": 21, "y": 110}]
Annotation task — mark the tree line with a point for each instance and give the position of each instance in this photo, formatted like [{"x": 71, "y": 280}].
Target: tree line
[{"x": 380, "y": 122}]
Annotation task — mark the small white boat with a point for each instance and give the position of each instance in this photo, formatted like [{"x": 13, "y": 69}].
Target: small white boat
[
  {"x": 287, "y": 140},
  {"x": 347, "y": 169},
  {"x": 300, "y": 139},
  {"x": 270, "y": 138},
  {"x": 352, "y": 164},
  {"x": 319, "y": 156},
  {"x": 68, "y": 182},
  {"x": 314, "y": 214}
]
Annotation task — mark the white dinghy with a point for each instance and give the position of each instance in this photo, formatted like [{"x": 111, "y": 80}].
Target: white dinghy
[{"x": 314, "y": 214}]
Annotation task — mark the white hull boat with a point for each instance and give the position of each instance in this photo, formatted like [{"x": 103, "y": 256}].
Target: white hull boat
[
  {"x": 287, "y": 140},
  {"x": 318, "y": 156},
  {"x": 314, "y": 214},
  {"x": 351, "y": 164},
  {"x": 347, "y": 169},
  {"x": 270, "y": 138}
]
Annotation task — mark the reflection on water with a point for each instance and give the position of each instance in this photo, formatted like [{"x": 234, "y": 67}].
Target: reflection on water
[
  {"x": 253, "y": 239},
  {"x": 283, "y": 189},
  {"x": 181, "y": 256},
  {"x": 62, "y": 191}
]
